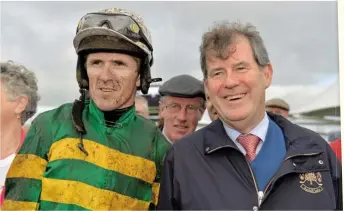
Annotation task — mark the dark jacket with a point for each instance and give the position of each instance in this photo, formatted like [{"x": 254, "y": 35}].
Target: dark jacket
[{"x": 206, "y": 170}]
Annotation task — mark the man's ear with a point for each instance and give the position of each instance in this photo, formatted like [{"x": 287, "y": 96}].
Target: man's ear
[
  {"x": 200, "y": 114},
  {"x": 268, "y": 72},
  {"x": 138, "y": 81},
  {"x": 205, "y": 85},
  {"x": 161, "y": 110},
  {"x": 202, "y": 109}
]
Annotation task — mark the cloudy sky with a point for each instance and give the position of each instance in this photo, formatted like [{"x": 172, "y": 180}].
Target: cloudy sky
[{"x": 301, "y": 38}]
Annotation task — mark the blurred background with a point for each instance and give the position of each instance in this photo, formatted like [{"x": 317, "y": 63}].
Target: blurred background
[{"x": 301, "y": 39}]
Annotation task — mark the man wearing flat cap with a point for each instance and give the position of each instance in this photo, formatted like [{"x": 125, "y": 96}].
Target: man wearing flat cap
[
  {"x": 182, "y": 105},
  {"x": 277, "y": 106}
]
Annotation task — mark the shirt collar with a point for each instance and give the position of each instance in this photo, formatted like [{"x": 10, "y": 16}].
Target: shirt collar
[
  {"x": 260, "y": 130},
  {"x": 163, "y": 132}
]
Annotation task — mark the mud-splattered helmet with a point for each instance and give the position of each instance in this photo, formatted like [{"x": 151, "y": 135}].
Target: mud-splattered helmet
[{"x": 114, "y": 30}]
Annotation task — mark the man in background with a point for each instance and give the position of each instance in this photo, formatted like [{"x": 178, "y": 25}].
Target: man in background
[
  {"x": 278, "y": 106},
  {"x": 141, "y": 106},
  {"x": 182, "y": 105}
]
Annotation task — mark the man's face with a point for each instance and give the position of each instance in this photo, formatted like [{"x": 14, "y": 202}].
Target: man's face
[
  {"x": 141, "y": 108},
  {"x": 236, "y": 86},
  {"x": 277, "y": 110},
  {"x": 180, "y": 115},
  {"x": 113, "y": 78}
]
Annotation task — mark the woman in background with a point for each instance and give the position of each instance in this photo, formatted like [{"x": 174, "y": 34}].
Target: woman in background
[{"x": 19, "y": 97}]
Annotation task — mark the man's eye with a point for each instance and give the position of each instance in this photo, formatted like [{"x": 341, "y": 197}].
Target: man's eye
[
  {"x": 240, "y": 68},
  {"x": 96, "y": 63},
  {"x": 218, "y": 73},
  {"x": 118, "y": 63},
  {"x": 192, "y": 107}
]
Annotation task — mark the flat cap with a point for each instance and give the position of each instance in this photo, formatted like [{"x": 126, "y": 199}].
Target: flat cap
[
  {"x": 184, "y": 86},
  {"x": 277, "y": 102}
]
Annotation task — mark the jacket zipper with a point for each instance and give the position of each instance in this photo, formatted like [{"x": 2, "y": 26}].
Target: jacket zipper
[
  {"x": 287, "y": 158},
  {"x": 260, "y": 194}
]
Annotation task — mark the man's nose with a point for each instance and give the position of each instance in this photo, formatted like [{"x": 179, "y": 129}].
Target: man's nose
[
  {"x": 182, "y": 115},
  {"x": 231, "y": 80},
  {"x": 106, "y": 73}
]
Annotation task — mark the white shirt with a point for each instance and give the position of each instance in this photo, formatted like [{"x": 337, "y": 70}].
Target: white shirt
[
  {"x": 260, "y": 130},
  {"x": 163, "y": 132},
  {"x": 4, "y": 167}
]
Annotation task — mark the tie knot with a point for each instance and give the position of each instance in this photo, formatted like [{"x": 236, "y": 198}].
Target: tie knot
[{"x": 250, "y": 143}]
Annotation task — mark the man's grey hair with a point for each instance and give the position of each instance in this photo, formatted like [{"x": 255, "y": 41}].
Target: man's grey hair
[
  {"x": 18, "y": 81},
  {"x": 143, "y": 99},
  {"x": 220, "y": 37}
]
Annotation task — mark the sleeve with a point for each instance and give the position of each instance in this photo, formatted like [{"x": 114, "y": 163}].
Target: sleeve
[
  {"x": 168, "y": 190},
  {"x": 161, "y": 148},
  {"x": 336, "y": 172},
  {"x": 24, "y": 178}
]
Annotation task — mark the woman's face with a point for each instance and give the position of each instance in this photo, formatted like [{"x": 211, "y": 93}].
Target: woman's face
[{"x": 10, "y": 109}]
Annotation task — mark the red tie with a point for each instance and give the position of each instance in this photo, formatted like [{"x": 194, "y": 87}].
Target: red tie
[{"x": 250, "y": 143}]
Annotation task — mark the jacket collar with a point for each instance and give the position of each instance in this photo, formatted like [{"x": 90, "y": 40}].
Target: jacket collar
[
  {"x": 99, "y": 115},
  {"x": 299, "y": 141},
  {"x": 216, "y": 138}
]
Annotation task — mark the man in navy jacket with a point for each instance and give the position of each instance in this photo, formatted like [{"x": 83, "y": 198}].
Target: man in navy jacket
[{"x": 248, "y": 159}]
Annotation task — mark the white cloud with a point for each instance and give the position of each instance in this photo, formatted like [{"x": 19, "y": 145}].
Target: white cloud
[{"x": 302, "y": 44}]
